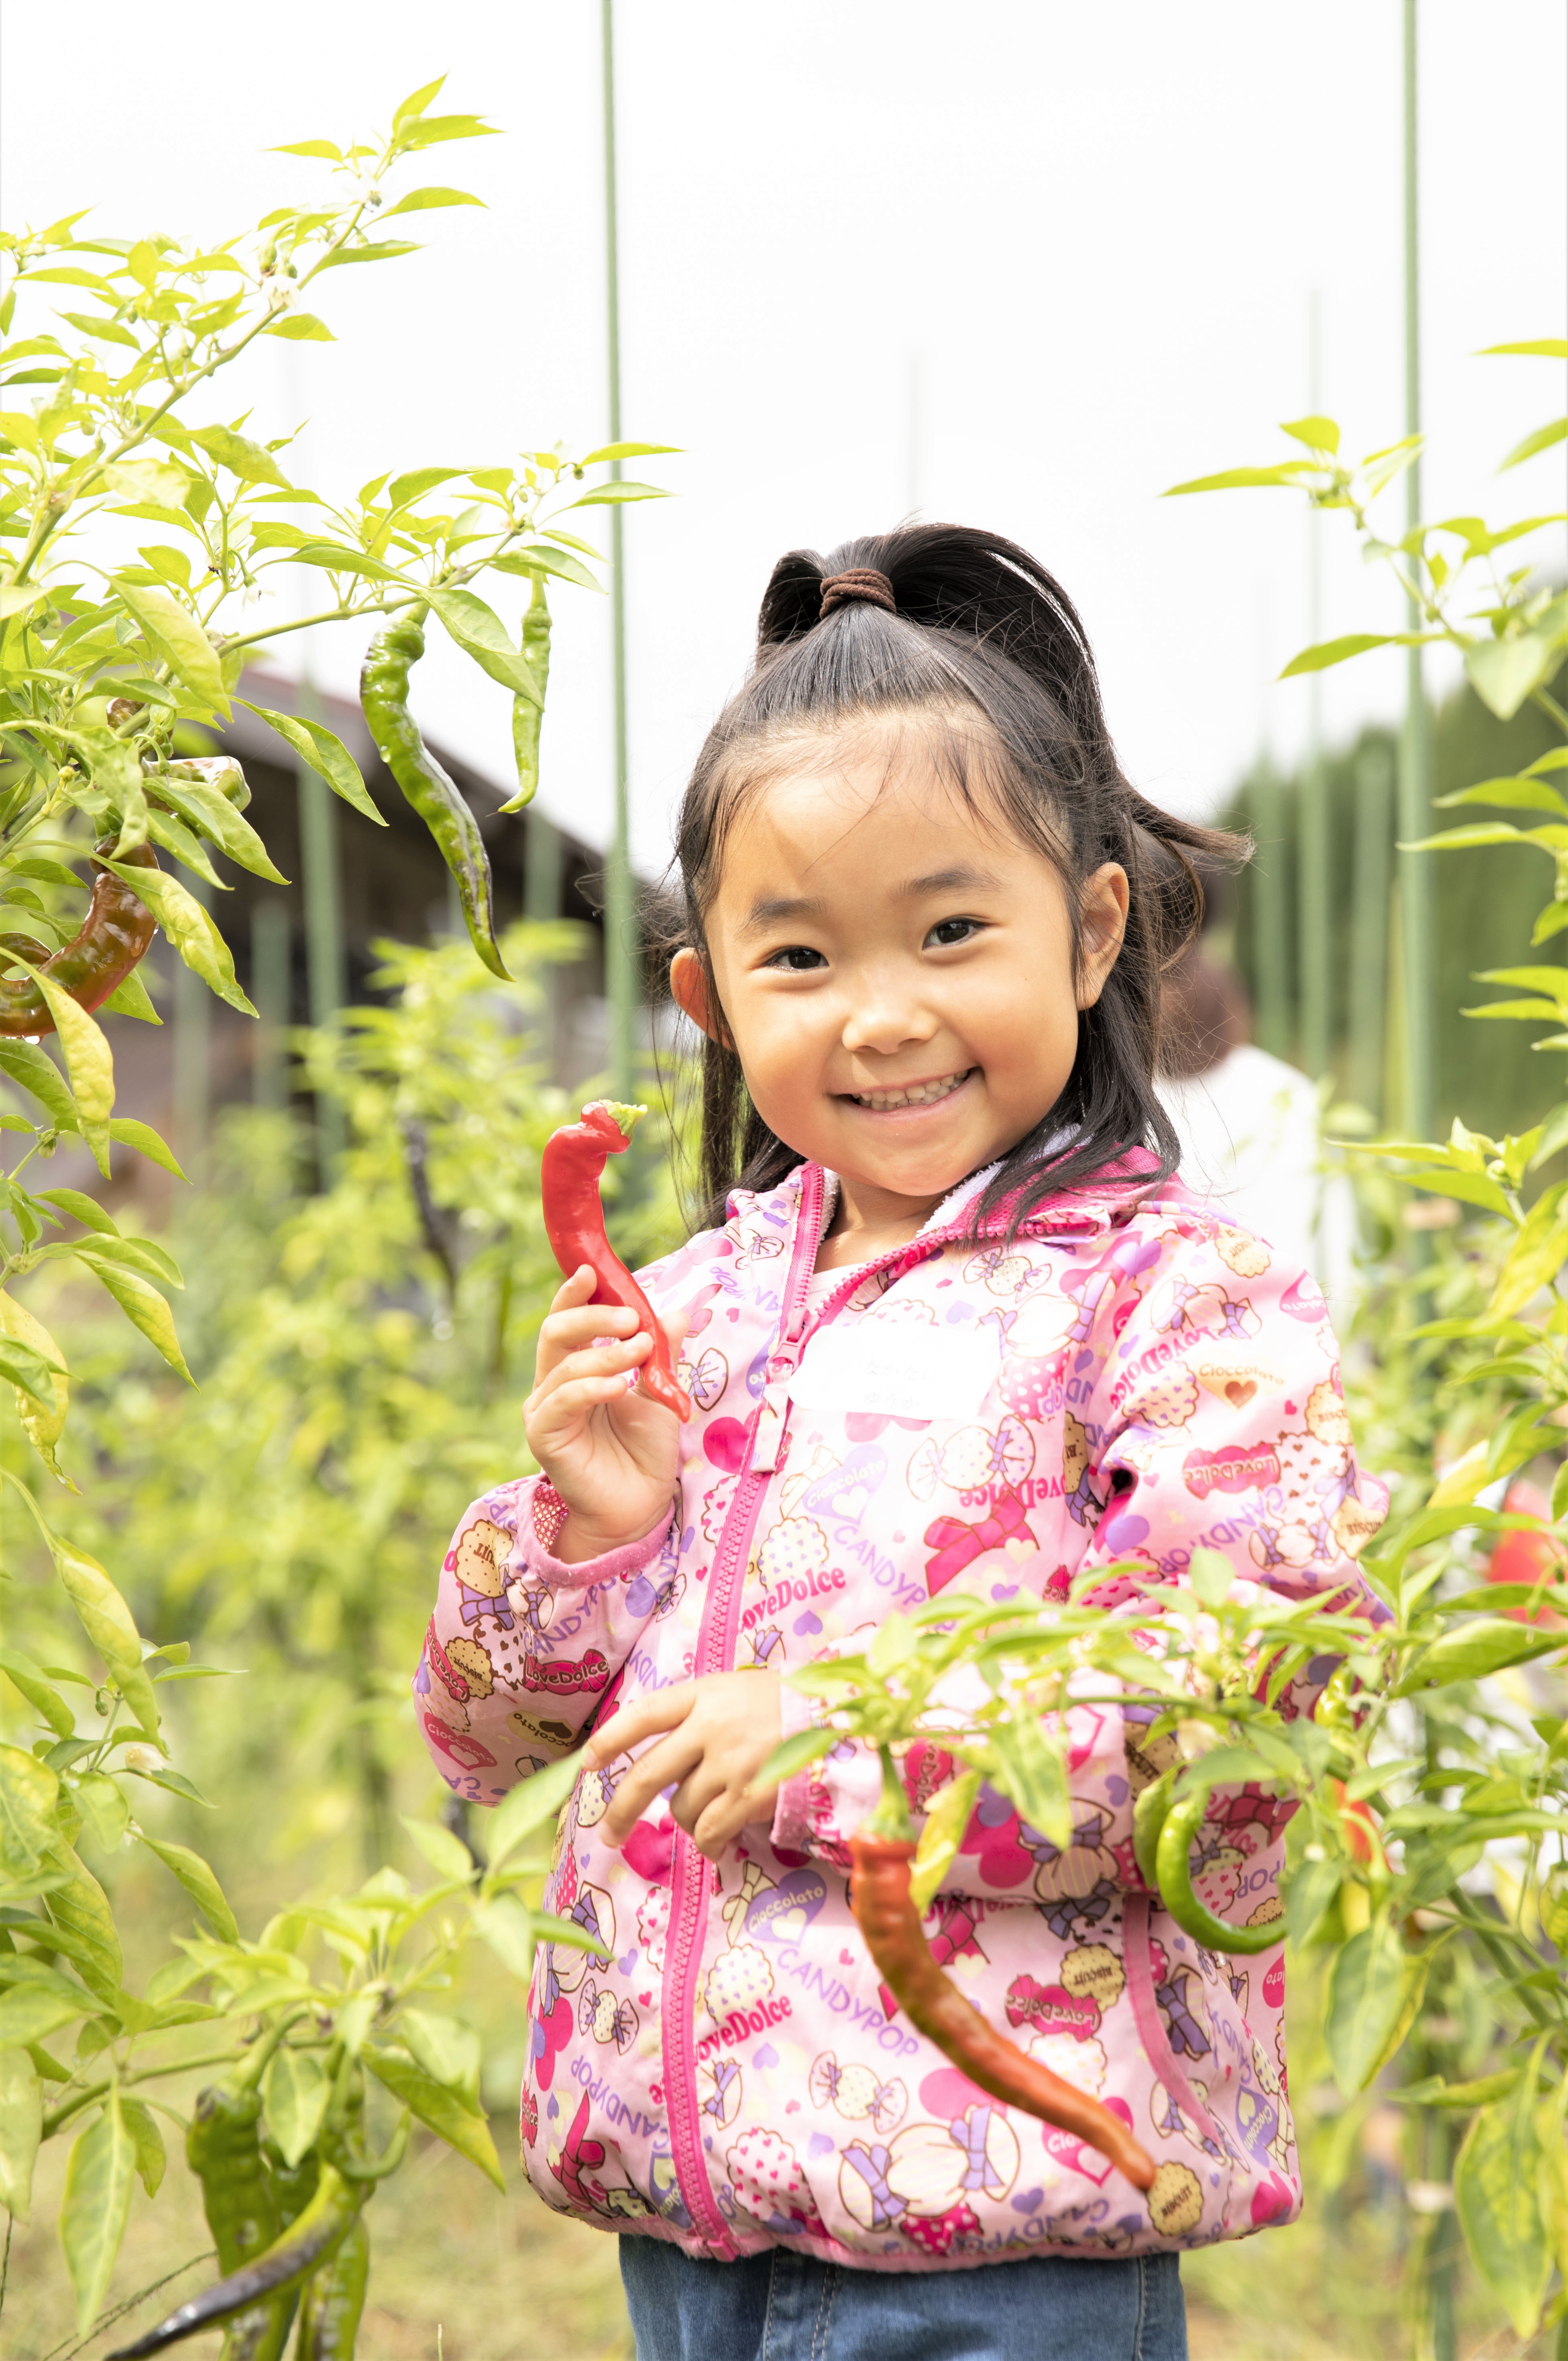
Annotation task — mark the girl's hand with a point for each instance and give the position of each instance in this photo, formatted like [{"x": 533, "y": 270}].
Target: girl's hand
[
  {"x": 611, "y": 1454},
  {"x": 723, "y": 1727}
]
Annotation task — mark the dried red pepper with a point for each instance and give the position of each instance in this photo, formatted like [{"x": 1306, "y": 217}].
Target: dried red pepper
[
  {"x": 112, "y": 937},
  {"x": 887, "y": 1918},
  {"x": 569, "y": 1170}
]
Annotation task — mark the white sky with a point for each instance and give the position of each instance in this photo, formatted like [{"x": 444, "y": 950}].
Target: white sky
[{"x": 1089, "y": 236}]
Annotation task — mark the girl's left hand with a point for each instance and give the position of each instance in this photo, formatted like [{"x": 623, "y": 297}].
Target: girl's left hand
[{"x": 722, "y": 1730}]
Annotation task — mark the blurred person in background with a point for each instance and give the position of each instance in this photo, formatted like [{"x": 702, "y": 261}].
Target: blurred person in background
[{"x": 1250, "y": 1125}]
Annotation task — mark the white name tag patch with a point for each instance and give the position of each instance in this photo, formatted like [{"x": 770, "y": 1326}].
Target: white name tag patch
[{"x": 898, "y": 1369}]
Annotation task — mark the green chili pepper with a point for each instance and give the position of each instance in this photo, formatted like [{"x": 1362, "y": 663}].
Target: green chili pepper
[
  {"x": 526, "y": 715},
  {"x": 304, "y": 2247},
  {"x": 384, "y": 694},
  {"x": 334, "y": 2300},
  {"x": 1182, "y": 1824},
  {"x": 1148, "y": 1818},
  {"x": 223, "y": 2147}
]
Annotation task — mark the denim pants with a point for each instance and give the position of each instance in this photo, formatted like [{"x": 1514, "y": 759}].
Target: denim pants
[{"x": 784, "y": 2307}]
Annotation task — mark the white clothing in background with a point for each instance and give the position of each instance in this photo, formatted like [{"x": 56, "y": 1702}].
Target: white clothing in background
[{"x": 1251, "y": 1144}]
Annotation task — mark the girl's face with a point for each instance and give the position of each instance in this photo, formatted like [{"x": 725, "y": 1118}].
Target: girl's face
[{"x": 896, "y": 969}]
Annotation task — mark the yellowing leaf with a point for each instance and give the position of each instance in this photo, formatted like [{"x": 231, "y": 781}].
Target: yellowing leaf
[
  {"x": 199, "y": 1883},
  {"x": 21, "y": 2128},
  {"x": 94, "y": 2207},
  {"x": 27, "y": 1792},
  {"x": 140, "y": 1301},
  {"x": 178, "y": 640},
  {"x": 441, "y": 2109},
  {"x": 88, "y": 1060},
  {"x": 189, "y": 928}
]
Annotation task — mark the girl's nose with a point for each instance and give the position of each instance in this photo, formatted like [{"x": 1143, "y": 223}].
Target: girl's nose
[{"x": 884, "y": 1019}]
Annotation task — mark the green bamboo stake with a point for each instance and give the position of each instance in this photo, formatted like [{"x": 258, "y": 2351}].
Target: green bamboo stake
[
  {"x": 192, "y": 1057},
  {"x": 620, "y": 952},
  {"x": 1373, "y": 859},
  {"x": 1315, "y": 962},
  {"x": 270, "y": 958},
  {"x": 1270, "y": 935},
  {"x": 1419, "y": 1110},
  {"x": 326, "y": 959}
]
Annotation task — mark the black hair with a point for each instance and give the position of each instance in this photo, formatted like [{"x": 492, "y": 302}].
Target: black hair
[{"x": 985, "y": 655}]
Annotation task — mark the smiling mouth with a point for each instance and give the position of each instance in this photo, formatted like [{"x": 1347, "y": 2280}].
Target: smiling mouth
[{"x": 917, "y": 1094}]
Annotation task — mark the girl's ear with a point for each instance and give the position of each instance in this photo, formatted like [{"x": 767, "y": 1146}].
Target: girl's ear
[
  {"x": 688, "y": 989},
  {"x": 1102, "y": 922}
]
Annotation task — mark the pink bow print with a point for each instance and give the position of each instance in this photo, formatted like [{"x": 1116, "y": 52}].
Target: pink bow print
[{"x": 958, "y": 1544}]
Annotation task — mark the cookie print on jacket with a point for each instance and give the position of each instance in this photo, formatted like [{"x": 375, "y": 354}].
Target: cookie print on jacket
[{"x": 723, "y": 2068}]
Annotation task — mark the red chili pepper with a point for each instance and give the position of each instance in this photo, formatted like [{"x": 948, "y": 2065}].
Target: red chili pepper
[
  {"x": 114, "y": 935},
  {"x": 879, "y": 1898},
  {"x": 569, "y": 1173}
]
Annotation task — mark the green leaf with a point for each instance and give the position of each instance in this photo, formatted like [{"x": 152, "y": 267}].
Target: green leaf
[
  {"x": 322, "y": 752},
  {"x": 144, "y": 1140},
  {"x": 1373, "y": 1987},
  {"x": 417, "y": 101},
  {"x": 1510, "y": 795},
  {"x": 1534, "y": 1260},
  {"x": 108, "y": 1623},
  {"x": 480, "y": 633},
  {"x": 445, "y": 2114},
  {"x": 28, "y": 1790},
  {"x": 1032, "y": 1773},
  {"x": 147, "y": 2141},
  {"x": 142, "y": 1304},
  {"x": 616, "y": 495},
  {"x": 199, "y": 1883},
  {"x": 508, "y": 1929},
  {"x": 1244, "y": 479},
  {"x": 448, "y": 2051},
  {"x": 431, "y": 129},
  {"x": 383, "y": 250},
  {"x": 240, "y": 455},
  {"x": 38, "y": 1074},
  {"x": 297, "y": 2089},
  {"x": 792, "y": 1755},
  {"x": 176, "y": 639},
  {"x": 1475, "y": 1650},
  {"x": 95, "y": 2206},
  {"x": 1546, "y": 348},
  {"x": 190, "y": 930},
  {"x": 323, "y": 148},
  {"x": 87, "y": 1055},
  {"x": 1312, "y": 1887},
  {"x": 627, "y": 451},
  {"x": 1496, "y": 2191},
  {"x": 424, "y": 200},
  {"x": 28, "y": 1371},
  {"x": 338, "y": 557},
  {"x": 538, "y": 557},
  {"x": 41, "y": 1693},
  {"x": 130, "y": 997},
  {"x": 103, "y": 1808},
  {"x": 21, "y": 2128},
  {"x": 529, "y": 1805},
  {"x": 1503, "y": 672},
  {"x": 30, "y": 2012},
  {"x": 945, "y": 1822},
  {"x": 1333, "y": 652},
  {"x": 447, "y": 1853},
  {"x": 299, "y": 328},
  {"x": 1541, "y": 440},
  {"x": 1317, "y": 434},
  {"x": 206, "y": 808},
  {"x": 406, "y": 489}
]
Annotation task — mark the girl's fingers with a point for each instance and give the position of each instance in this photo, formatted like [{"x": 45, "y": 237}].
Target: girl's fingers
[
  {"x": 665, "y": 1765},
  {"x": 660, "y": 1709},
  {"x": 557, "y": 1414},
  {"x": 592, "y": 1361}
]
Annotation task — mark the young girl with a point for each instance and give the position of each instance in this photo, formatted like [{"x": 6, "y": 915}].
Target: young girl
[{"x": 954, "y": 1323}]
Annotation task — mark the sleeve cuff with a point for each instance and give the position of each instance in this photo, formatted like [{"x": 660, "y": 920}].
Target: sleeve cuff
[
  {"x": 542, "y": 1519},
  {"x": 792, "y": 1811}
]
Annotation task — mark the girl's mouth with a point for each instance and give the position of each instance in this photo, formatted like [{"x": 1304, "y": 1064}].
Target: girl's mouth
[{"x": 912, "y": 1094}]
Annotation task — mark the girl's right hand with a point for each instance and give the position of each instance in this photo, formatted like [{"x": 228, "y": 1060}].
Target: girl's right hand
[{"x": 612, "y": 1454}]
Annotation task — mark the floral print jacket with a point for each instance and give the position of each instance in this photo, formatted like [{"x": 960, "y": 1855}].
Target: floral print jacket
[{"x": 1131, "y": 1377}]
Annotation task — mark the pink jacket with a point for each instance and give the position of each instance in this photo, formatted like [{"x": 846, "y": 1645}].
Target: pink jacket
[{"x": 1131, "y": 1377}]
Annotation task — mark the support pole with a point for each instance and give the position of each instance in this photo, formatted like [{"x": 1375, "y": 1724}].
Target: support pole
[
  {"x": 1415, "y": 750},
  {"x": 1369, "y": 929},
  {"x": 620, "y": 947},
  {"x": 325, "y": 958},
  {"x": 271, "y": 960},
  {"x": 192, "y": 1057},
  {"x": 1314, "y": 922},
  {"x": 1270, "y": 909}
]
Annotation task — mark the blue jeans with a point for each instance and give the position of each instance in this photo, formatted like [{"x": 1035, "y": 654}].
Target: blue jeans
[{"x": 785, "y": 2307}]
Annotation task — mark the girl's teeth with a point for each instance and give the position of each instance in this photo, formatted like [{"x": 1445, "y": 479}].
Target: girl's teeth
[{"x": 880, "y": 1100}]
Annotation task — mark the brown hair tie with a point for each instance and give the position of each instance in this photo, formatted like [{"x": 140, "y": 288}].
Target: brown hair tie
[{"x": 861, "y": 583}]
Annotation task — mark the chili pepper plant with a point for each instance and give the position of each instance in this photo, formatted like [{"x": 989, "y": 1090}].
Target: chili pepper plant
[
  {"x": 111, "y": 650},
  {"x": 1428, "y": 1792}
]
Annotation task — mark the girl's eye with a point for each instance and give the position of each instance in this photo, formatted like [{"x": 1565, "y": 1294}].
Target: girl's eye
[
  {"x": 952, "y": 930},
  {"x": 797, "y": 958}
]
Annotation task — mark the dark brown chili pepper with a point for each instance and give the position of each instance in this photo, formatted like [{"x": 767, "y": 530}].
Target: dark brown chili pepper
[
  {"x": 113, "y": 936},
  {"x": 304, "y": 2247},
  {"x": 879, "y": 1898},
  {"x": 569, "y": 1173}
]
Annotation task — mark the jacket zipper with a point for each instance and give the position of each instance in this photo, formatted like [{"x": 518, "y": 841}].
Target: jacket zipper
[{"x": 691, "y": 1876}]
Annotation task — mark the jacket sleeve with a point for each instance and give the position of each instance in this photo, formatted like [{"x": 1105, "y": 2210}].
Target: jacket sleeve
[
  {"x": 1202, "y": 1408},
  {"x": 521, "y": 1652}
]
